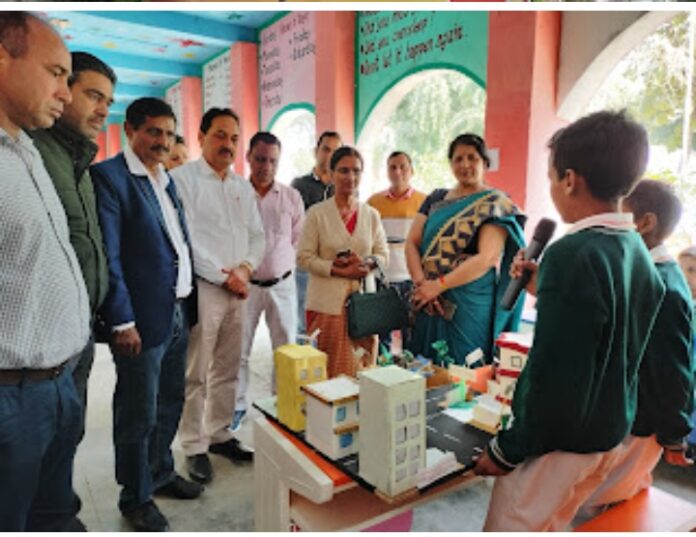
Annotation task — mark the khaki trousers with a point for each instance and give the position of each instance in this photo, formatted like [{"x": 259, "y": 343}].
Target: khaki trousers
[
  {"x": 545, "y": 493},
  {"x": 213, "y": 359},
  {"x": 631, "y": 473}
]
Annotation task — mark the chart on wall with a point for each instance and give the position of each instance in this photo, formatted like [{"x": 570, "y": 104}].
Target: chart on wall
[
  {"x": 175, "y": 100},
  {"x": 286, "y": 65},
  {"x": 217, "y": 82},
  {"x": 394, "y": 44}
]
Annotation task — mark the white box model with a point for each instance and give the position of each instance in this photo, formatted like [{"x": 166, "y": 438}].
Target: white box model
[
  {"x": 392, "y": 428},
  {"x": 332, "y": 416}
]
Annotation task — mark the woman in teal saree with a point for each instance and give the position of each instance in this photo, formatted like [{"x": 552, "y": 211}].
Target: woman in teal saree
[{"x": 459, "y": 252}]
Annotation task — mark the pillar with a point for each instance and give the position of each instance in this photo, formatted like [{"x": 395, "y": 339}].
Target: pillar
[
  {"x": 335, "y": 73},
  {"x": 101, "y": 143},
  {"x": 521, "y": 105},
  {"x": 113, "y": 139},
  {"x": 245, "y": 97},
  {"x": 191, "y": 111}
]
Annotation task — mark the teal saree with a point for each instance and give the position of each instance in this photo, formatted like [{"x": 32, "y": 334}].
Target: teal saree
[{"x": 450, "y": 235}]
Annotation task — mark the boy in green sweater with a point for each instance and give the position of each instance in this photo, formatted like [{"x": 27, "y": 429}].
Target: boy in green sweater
[
  {"x": 598, "y": 294},
  {"x": 666, "y": 376}
]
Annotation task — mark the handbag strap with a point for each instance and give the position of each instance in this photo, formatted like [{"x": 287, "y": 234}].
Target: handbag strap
[{"x": 381, "y": 276}]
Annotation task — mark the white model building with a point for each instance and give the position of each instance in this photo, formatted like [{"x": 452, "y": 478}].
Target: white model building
[
  {"x": 392, "y": 428},
  {"x": 494, "y": 405},
  {"x": 332, "y": 416}
]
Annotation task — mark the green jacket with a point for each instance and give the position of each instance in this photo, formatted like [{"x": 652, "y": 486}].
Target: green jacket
[
  {"x": 598, "y": 294},
  {"x": 666, "y": 387},
  {"x": 67, "y": 156}
]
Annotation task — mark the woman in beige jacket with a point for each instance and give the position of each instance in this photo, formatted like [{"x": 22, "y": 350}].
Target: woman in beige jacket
[{"x": 342, "y": 241}]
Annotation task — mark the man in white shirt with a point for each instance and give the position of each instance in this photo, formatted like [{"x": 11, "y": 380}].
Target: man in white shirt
[
  {"x": 273, "y": 291},
  {"x": 148, "y": 310},
  {"x": 228, "y": 245}
]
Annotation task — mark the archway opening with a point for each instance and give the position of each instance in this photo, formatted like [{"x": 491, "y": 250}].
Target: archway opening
[
  {"x": 420, "y": 115},
  {"x": 296, "y": 131}
]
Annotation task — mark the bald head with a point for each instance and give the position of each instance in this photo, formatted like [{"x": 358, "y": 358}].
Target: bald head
[{"x": 34, "y": 70}]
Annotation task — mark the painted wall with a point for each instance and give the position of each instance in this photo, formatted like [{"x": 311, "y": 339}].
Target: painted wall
[
  {"x": 394, "y": 44},
  {"x": 287, "y": 66}
]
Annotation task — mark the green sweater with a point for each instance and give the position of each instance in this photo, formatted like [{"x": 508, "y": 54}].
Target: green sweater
[
  {"x": 666, "y": 386},
  {"x": 67, "y": 156},
  {"x": 598, "y": 294}
]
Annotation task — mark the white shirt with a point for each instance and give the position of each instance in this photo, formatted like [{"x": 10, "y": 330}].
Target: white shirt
[
  {"x": 159, "y": 183},
  {"x": 618, "y": 221},
  {"x": 223, "y": 219},
  {"x": 44, "y": 308},
  {"x": 660, "y": 254}
]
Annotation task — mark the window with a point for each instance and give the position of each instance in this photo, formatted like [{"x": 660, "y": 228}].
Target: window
[
  {"x": 400, "y": 455},
  {"x": 401, "y": 435},
  {"x": 340, "y": 414},
  {"x": 414, "y": 469},
  {"x": 318, "y": 372},
  {"x": 400, "y": 412},
  {"x": 304, "y": 375},
  {"x": 415, "y": 452},
  {"x": 414, "y": 430},
  {"x": 516, "y": 361},
  {"x": 414, "y": 408},
  {"x": 345, "y": 440},
  {"x": 400, "y": 474}
]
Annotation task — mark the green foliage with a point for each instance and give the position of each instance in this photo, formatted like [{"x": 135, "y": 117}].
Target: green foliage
[{"x": 425, "y": 122}]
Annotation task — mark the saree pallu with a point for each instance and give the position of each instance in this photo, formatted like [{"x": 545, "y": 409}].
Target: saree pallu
[
  {"x": 449, "y": 238},
  {"x": 334, "y": 340}
]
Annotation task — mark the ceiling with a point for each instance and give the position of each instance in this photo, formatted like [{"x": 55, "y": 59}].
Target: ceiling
[{"x": 151, "y": 50}]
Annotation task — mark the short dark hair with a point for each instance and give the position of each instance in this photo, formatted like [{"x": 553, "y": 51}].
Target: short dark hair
[
  {"x": 472, "y": 140},
  {"x": 139, "y": 110},
  {"x": 652, "y": 196},
  {"x": 344, "y": 151},
  {"x": 327, "y": 134},
  {"x": 178, "y": 139},
  {"x": 398, "y": 154},
  {"x": 266, "y": 137},
  {"x": 84, "y": 61},
  {"x": 608, "y": 149},
  {"x": 14, "y": 29},
  {"x": 212, "y": 113}
]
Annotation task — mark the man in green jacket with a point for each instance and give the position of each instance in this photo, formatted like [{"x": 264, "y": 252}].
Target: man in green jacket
[{"x": 67, "y": 149}]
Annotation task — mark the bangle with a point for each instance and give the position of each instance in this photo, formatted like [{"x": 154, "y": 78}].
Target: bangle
[{"x": 443, "y": 285}]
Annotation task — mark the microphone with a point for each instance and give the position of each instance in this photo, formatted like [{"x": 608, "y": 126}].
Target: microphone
[{"x": 542, "y": 234}]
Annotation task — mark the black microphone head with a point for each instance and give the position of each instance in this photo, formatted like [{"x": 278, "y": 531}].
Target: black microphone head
[{"x": 544, "y": 231}]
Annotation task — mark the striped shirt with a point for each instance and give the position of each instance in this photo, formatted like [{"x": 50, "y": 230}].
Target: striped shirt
[{"x": 44, "y": 311}]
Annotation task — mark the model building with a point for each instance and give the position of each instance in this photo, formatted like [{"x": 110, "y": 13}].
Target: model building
[
  {"x": 332, "y": 416},
  {"x": 392, "y": 428},
  {"x": 493, "y": 408},
  {"x": 296, "y": 366}
]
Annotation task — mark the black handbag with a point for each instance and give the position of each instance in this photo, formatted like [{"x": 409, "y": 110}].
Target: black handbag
[{"x": 375, "y": 313}]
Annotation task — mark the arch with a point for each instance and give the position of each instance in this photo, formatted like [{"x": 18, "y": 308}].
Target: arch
[
  {"x": 373, "y": 134},
  {"x": 583, "y": 69},
  {"x": 295, "y": 125}
]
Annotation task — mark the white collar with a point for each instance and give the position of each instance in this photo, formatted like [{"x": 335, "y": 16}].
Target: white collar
[
  {"x": 660, "y": 254},
  {"x": 618, "y": 221},
  {"x": 207, "y": 168},
  {"x": 136, "y": 167}
]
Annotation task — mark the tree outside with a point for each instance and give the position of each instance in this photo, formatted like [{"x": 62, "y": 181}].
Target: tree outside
[
  {"x": 445, "y": 104},
  {"x": 295, "y": 129},
  {"x": 651, "y": 83}
]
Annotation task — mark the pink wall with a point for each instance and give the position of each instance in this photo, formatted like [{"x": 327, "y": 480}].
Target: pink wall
[
  {"x": 113, "y": 139},
  {"x": 192, "y": 103},
  {"x": 335, "y": 73},
  {"x": 520, "y": 107},
  {"x": 101, "y": 142},
  {"x": 245, "y": 96}
]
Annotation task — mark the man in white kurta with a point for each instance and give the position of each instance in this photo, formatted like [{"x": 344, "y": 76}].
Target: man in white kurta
[
  {"x": 228, "y": 245},
  {"x": 273, "y": 290}
]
